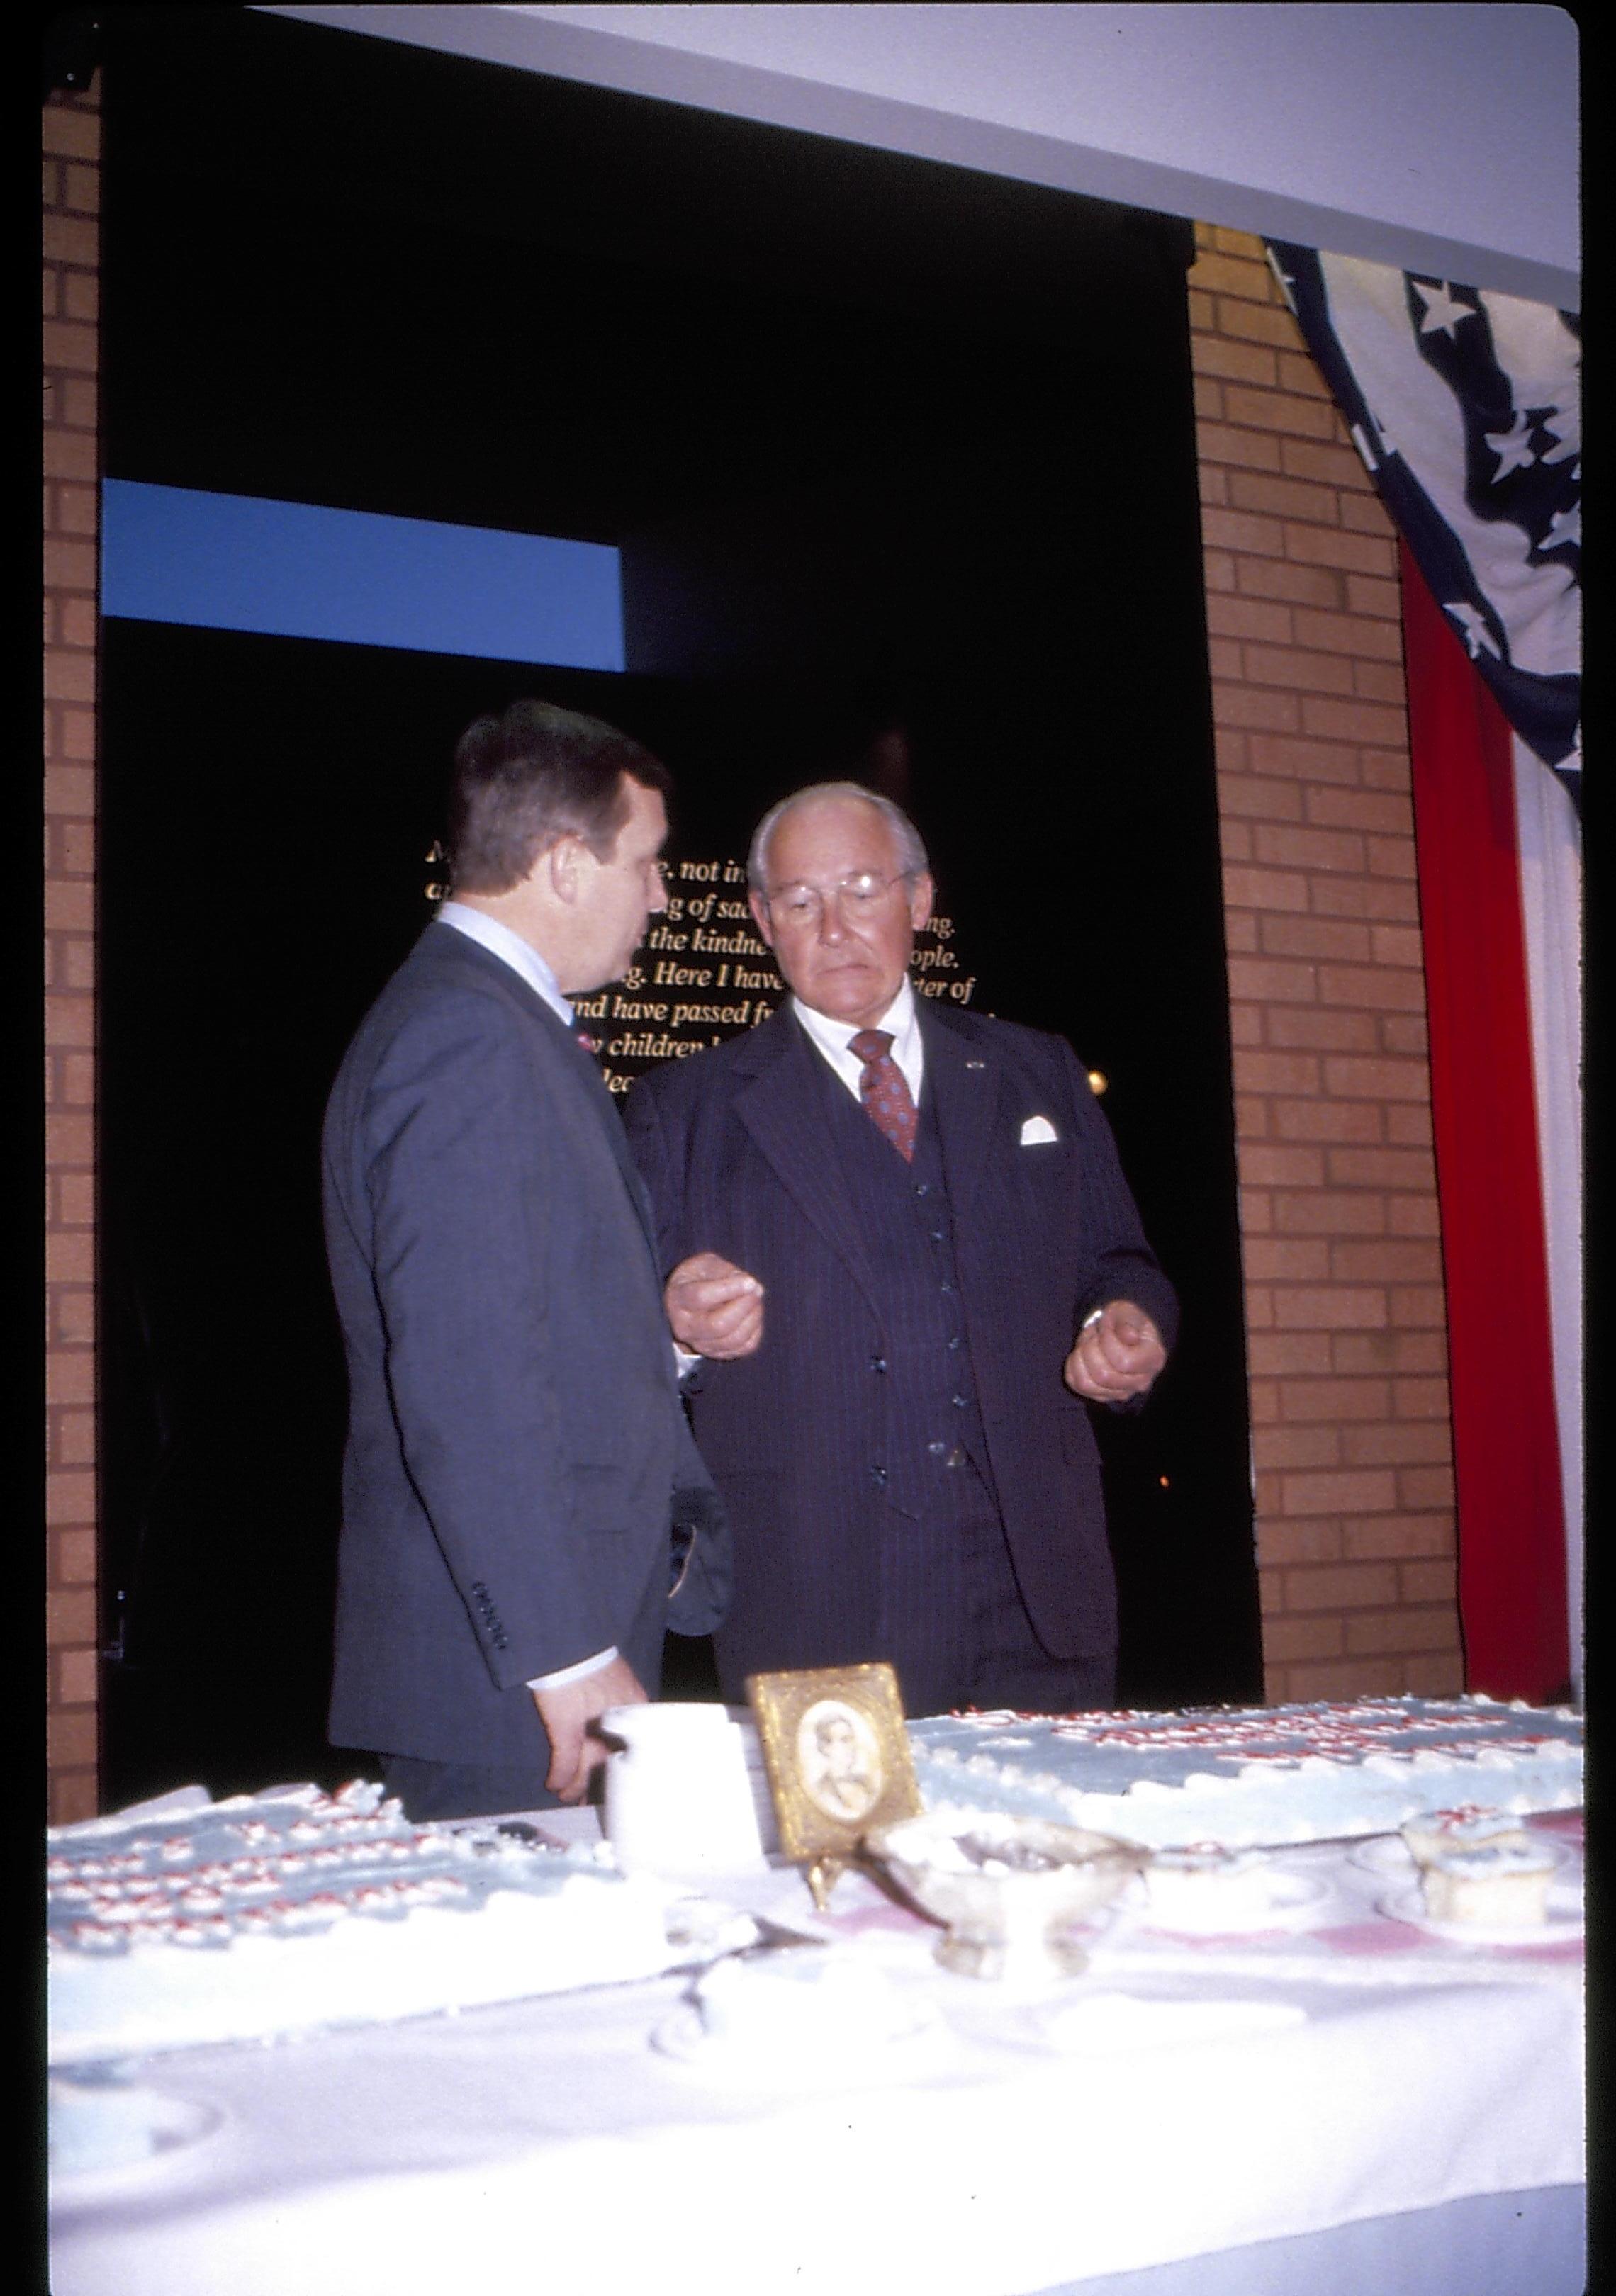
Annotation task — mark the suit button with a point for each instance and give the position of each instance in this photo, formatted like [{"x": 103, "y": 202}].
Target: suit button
[
  {"x": 878, "y": 1475},
  {"x": 937, "y": 1449},
  {"x": 921, "y": 1188},
  {"x": 878, "y": 1362},
  {"x": 960, "y": 1402},
  {"x": 954, "y": 1342},
  {"x": 936, "y": 1235}
]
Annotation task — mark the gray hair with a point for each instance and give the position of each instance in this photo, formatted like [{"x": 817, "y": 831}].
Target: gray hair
[{"x": 907, "y": 839}]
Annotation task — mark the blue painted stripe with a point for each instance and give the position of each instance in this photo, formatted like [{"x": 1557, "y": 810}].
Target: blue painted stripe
[{"x": 298, "y": 571}]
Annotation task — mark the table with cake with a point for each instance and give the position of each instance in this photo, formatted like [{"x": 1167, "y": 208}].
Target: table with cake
[{"x": 1262, "y": 2000}]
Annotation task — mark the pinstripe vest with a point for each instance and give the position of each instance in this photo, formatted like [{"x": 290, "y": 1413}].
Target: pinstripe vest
[{"x": 933, "y": 1426}]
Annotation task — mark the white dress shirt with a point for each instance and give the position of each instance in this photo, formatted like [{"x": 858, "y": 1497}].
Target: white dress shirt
[
  {"x": 831, "y": 1038},
  {"x": 524, "y": 959},
  {"x": 519, "y": 955}
]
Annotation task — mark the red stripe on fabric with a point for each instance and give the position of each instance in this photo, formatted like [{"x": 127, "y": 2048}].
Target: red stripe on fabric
[{"x": 1506, "y": 1450}]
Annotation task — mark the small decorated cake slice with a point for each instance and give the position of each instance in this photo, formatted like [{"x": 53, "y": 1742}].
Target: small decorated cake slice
[
  {"x": 1469, "y": 1827},
  {"x": 1492, "y": 1888}
]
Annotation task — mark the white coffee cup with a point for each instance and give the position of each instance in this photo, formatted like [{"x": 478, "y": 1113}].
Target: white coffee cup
[{"x": 685, "y": 1792}]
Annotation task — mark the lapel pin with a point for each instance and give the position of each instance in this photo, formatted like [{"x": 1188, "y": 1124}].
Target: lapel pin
[{"x": 976, "y": 1064}]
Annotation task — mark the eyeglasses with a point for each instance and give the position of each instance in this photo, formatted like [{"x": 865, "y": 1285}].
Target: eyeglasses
[{"x": 858, "y": 896}]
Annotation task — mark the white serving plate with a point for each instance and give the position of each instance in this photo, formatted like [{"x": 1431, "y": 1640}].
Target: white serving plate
[{"x": 1564, "y": 1921}]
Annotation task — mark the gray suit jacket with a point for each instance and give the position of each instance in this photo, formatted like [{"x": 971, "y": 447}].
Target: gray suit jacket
[{"x": 516, "y": 1436}]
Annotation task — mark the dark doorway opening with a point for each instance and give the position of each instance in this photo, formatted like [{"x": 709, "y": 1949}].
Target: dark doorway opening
[{"x": 900, "y": 460}]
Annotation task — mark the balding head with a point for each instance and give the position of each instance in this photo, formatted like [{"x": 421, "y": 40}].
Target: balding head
[{"x": 839, "y": 889}]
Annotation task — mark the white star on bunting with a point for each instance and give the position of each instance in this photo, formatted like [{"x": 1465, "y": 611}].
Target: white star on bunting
[
  {"x": 1512, "y": 447},
  {"x": 1473, "y": 629},
  {"x": 1563, "y": 424},
  {"x": 1441, "y": 311}
]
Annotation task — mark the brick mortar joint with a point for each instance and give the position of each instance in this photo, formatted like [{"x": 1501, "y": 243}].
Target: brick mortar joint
[{"x": 1210, "y": 459}]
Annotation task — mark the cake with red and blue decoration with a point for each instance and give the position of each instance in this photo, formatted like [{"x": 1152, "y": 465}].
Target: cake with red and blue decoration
[
  {"x": 1250, "y": 1776},
  {"x": 188, "y": 1920}
]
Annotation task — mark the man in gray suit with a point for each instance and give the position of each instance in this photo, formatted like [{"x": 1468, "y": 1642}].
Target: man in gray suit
[
  {"x": 899, "y": 1233},
  {"x": 519, "y": 1484}
]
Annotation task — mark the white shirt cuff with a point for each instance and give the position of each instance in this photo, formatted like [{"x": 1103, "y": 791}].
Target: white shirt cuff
[{"x": 566, "y": 1674}]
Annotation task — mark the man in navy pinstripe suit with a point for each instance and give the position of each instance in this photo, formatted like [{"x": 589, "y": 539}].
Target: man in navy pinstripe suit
[{"x": 899, "y": 1237}]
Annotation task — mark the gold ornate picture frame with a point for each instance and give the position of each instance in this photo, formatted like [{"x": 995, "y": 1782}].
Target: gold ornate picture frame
[{"x": 837, "y": 1758}]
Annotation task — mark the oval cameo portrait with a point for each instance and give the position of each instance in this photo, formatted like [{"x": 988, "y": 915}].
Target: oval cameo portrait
[{"x": 839, "y": 1760}]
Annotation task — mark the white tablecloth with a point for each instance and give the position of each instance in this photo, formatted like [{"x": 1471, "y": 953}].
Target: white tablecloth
[{"x": 1177, "y": 2102}]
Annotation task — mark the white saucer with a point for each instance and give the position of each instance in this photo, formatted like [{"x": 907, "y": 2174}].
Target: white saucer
[
  {"x": 1383, "y": 1853},
  {"x": 107, "y": 2131},
  {"x": 1564, "y": 1921},
  {"x": 1293, "y": 1901}
]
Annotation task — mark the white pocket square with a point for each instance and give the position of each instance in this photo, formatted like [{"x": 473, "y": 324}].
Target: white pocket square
[{"x": 1036, "y": 1131}]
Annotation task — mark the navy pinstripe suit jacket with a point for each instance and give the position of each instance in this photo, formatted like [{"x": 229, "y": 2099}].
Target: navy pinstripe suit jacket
[{"x": 732, "y": 1144}]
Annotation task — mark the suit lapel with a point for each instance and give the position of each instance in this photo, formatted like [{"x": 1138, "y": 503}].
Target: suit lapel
[
  {"x": 575, "y": 1067},
  {"x": 581, "y": 1066},
  {"x": 964, "y": 1080},
  {"x": 780, "y": 1107}
]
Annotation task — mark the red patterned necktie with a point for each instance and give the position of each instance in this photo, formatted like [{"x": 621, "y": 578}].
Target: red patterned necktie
[{"x": 883, "y": 1090}]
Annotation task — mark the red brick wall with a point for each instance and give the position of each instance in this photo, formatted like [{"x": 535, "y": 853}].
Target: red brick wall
[
  {"x": 1345, "y": 1300},
  {"x": 72, "y": 256}
]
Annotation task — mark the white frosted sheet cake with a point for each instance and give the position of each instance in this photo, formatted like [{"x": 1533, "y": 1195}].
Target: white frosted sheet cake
[
  {"x": 1253, "y": 1774},
  {"x": 190, "y": 1921}
]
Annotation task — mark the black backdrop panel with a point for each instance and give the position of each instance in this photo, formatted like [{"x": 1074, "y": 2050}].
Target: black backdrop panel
[{"x": 900, "y": 462}]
